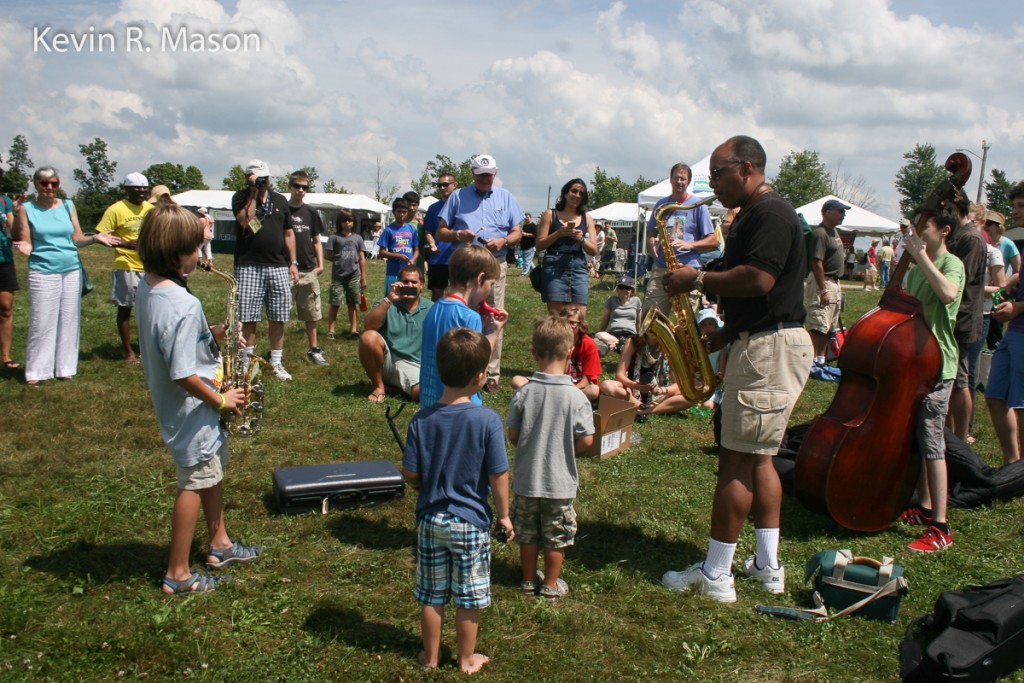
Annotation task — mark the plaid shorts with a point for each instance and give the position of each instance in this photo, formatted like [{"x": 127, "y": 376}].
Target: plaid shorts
[
  {"x": 453, "y": 561},
  {"x": 549, "y": 522},
  {"x": 260, "y": 286}
]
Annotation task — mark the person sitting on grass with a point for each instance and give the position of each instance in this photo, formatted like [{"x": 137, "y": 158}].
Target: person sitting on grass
[
  {"x": 584, "y": 367},
  {"x": 643, "y": 377},
  {"x": 390, "y": 346},
  {"x": 453, "y": 450},
  {"x": 548, "y": 422},
  {"x": 937, "y": 281},
  {"x": 185, "y": 374},
  {"x": 472, "y": 272},
  {"x": 621, "y": 317}
]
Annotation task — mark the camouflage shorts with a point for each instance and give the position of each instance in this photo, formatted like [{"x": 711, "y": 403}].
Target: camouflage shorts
[{"x": 548, "y": 522}]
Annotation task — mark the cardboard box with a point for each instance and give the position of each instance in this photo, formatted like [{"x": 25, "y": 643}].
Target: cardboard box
[{"x": 613, "y": 427}]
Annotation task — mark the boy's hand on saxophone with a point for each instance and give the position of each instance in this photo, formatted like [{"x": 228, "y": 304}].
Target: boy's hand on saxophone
[{"x": 234, "y": 400}]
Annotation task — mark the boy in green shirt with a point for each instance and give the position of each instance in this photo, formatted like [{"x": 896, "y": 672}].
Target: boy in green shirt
[{"x": 937, "y": 282}]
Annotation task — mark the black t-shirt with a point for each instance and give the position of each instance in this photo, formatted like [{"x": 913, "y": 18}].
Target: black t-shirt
[
  {"x": 529, "y": 239},
  {"x": 766, "y": 235},
  {"x": 265, "y": 247},
  {"x": 969, "y": 246},
  {"x": 306, "y": 223}
]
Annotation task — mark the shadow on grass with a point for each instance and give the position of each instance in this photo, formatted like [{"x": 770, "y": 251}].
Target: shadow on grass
[
  {"x": 103, "y": 352},
  {"x": 105, "y": 563},
  {"x": 371, "y": 533},
  {"x": 330, "y": 621},
  {"x": 602, "y": 544}
]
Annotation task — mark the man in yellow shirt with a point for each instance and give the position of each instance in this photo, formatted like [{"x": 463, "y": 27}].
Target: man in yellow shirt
[{"x": 124, "y": 218}]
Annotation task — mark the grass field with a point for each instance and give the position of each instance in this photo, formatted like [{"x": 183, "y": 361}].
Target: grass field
[{"x": 86, "y": 488}]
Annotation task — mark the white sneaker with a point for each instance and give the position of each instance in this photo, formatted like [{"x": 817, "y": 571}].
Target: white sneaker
[
  {"x": 720, "y": 589},
  {"x": 772, "y": 580},
  {"x": 280, "y": 373},
  {"x": 316, "y": 355}
]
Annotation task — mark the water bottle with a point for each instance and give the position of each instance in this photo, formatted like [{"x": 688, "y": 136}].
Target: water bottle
[{"x": 362, "y": 302}]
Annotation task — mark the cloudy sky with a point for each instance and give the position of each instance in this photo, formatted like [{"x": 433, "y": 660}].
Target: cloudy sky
[{"x": 551, "y": 88}]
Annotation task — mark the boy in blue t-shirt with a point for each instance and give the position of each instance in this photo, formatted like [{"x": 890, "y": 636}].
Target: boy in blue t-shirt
[
  {"x": 398, "y": 243},
  {"x": 471, "y": 274},
  {"x": 185, "y": 377},
  {"x": 454, "y": 452}
]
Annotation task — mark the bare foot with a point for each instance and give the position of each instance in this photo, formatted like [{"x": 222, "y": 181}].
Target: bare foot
[
  {"x": 376, "y": 397},
  {"x": 475, "y": 663},
  {"x": 426, "y": 661}
]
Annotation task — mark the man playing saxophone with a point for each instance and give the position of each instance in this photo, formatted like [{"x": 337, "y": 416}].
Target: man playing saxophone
[{"x": 761, "y": 299}]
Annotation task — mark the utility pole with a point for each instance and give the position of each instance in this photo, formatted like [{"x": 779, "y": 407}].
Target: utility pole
[{"x": 981, "y": 176}]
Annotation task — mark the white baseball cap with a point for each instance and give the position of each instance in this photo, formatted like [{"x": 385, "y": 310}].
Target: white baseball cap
[
  {"x": 135, "y": 180},
  {"x": 257, "y": 168},
  {"x": 484, "y": 163}
]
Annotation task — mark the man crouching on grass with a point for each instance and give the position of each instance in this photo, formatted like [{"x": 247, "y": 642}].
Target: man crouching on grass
[{"x": 453, "y": 449}]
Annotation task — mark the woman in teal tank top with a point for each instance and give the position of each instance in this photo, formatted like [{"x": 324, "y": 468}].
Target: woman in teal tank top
[{"x": 47, "y": 231}]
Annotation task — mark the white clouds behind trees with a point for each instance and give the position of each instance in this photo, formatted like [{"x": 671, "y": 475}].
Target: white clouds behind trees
[{"x": 552, "y": 90}]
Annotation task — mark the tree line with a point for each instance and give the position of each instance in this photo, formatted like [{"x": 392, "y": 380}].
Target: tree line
[{"x": 802, "y": 178}]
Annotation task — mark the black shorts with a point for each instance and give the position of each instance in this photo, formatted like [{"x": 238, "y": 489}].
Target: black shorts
[
  {"x": 8, "y": 277},
  {"x": 437, "y": 276}
]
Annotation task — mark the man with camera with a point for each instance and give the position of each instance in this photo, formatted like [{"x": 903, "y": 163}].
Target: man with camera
[
  {"x": 265, "y": 265},
  {"x": 391, "y": 346}
]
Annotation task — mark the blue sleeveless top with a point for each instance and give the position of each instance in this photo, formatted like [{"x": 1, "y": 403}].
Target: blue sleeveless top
[
  {"x": 566, "y": 245},
  {"x": 52, "y": 248}
]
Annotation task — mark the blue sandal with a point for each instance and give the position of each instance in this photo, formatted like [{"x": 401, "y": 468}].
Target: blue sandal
[
  {"x": 238, "y": 552},
  {"x": 197, "y": 583}
]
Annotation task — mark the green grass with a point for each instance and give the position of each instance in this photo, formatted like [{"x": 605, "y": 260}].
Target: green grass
[{"x": 86, "y": 488}]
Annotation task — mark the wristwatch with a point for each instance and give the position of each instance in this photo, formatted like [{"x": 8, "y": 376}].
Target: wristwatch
[
  {"x": 698, "y": 284},
  {"x": 295, "y": 263},
  {"x": 506, "y": 243}
]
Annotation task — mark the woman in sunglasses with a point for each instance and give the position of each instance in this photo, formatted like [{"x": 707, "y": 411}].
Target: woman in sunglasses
[
  {"x": 567, "y": 237},
  {"x": 47, "y": 231}
]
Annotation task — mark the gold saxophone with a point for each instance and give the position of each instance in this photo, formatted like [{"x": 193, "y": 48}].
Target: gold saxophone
[
  {"x": 682, "y": 343},
  {"x": 239, "y": 371}
]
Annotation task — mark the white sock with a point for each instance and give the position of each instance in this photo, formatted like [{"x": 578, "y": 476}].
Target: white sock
[
  {"x": 767, "y": 553},
  {"x": 247, "y": 351},
  {"x": 276, "y": 355},
  {"x": 719, "y": 559},
  {"x": 819, "y": 360}
]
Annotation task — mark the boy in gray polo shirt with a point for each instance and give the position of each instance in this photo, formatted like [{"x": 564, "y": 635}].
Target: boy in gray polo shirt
[{"x": 548, "y": 420}]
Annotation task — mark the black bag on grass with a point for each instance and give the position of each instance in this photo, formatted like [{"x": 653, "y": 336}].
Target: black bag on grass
[{"x": 974, "y": 634}]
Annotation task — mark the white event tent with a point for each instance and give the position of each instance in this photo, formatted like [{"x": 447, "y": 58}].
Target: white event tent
[
  {"x": 367, "y": 210},
  {"x": 617, "y": 212},
  {"x": 861, "y": 221}
]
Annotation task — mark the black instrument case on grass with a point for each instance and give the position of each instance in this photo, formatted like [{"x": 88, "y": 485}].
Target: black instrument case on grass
[{"x": 338, "y": 485}]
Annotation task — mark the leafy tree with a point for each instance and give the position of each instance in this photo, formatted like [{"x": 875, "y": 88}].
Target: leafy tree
[
  {"x": 440, "y": 165},
  {"x": 282, "y": 181},
  {"x": 175, "y": 177},
  {"x": 331, "y": 187},
  {"x": 918, "y": 176},
  {"x": 96, "y": 190},
  {"x": 234, "y": 180},
  {"x": 16, "y": 179},
  {"x": 605, "y": 189},
  {"x": 802, "y": 178},
  {"x": 995, "y": 193}
]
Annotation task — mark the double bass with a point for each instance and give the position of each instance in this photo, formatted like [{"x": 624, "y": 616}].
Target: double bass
[{"x": 856, "y": 463}]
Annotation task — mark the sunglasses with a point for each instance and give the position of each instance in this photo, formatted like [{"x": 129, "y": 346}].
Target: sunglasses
[
  {"x": 48, "y": 183},
  {"x": 717, "y": 172},
  {"x": 300, "y": 186},
  {"x": 444, "y": 185},
  {"x": 574, "y": 323}
]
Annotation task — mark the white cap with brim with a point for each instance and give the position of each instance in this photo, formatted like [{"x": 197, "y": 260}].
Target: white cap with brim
[
  {"x": 135, "y": 180},
  {"x": 257, "y": 168},
  {"x": 708, "y": 314},
  {"x": 484, "y": 163}
]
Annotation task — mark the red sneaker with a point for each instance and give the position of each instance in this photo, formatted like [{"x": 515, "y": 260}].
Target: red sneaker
[
  {"x": 932, "y": 540},
  {"x": 914, "y": 516}
]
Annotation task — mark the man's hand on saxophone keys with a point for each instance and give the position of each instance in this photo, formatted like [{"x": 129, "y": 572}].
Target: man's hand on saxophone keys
[{"x": 680, "y": 280}]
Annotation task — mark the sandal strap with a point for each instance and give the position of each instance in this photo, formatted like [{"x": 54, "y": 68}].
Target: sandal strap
[{"x": 196, "y": 583}]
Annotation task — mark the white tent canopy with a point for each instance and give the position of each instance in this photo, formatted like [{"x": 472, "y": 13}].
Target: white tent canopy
[
  {"x": 700, "y": 185},
  {"x": 221, "y": 199},
  {"x": 857, "y": 219},
  {"x": 617, "y": 212}
]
